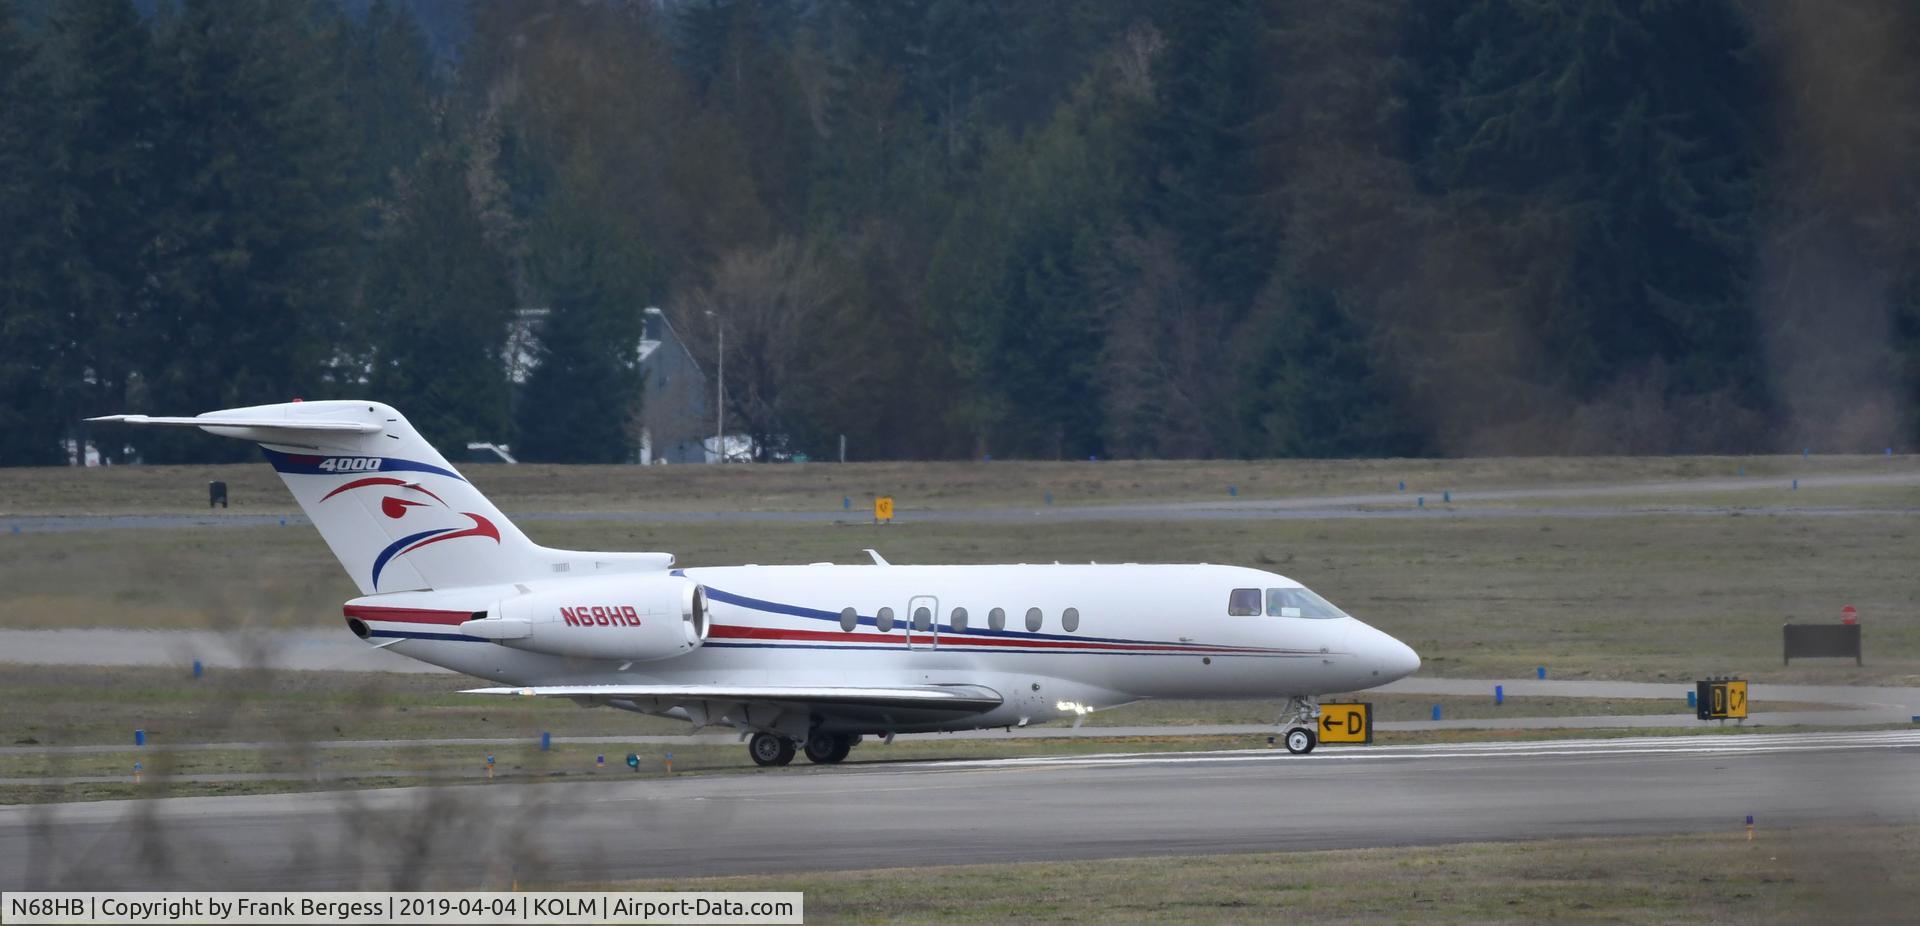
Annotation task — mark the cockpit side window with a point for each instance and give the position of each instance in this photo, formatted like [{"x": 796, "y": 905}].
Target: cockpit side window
[
  {"x": 1300, "y": 602},
  {"x": 1243, "y": 602}
]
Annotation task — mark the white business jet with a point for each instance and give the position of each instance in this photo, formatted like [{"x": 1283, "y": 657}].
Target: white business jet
[{"x": 796, "y": 657}]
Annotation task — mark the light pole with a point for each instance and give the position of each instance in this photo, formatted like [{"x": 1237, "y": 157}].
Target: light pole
[{"x": 719, "y": 390}]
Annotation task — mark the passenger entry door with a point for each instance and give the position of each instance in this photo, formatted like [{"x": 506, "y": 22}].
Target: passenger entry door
[{"x": 923, "y": 622}]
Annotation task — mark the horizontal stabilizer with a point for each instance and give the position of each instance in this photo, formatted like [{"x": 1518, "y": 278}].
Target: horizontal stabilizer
[
  {"x": 278, "y": 424},
  {"x": 967, "y": 698}
]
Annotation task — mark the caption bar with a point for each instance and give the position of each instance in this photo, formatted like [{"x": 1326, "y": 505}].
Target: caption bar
[{"x": 402, "y": 907}]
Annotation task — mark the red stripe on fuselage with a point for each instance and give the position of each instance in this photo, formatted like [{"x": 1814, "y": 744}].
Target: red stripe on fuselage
[{"x": 407, "y": 615}]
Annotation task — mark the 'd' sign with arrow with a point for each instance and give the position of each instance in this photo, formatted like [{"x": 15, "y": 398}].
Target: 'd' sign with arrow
[{"x": 1348, "y": 724}]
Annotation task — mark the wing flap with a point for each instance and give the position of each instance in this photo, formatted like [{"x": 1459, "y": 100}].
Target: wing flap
[{"x": 958, "y": 698}]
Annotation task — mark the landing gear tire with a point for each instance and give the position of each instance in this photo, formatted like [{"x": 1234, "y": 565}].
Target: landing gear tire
[
  {"x": 828, "y": 748},
  {"x": 1301, "y": 741},
  {"x": 770, "y": 749}
]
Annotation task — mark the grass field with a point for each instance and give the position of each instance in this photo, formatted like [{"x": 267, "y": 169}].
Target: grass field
[
  {"x": 253, "y": 487},
  {"x": 1790, "y": 876}
]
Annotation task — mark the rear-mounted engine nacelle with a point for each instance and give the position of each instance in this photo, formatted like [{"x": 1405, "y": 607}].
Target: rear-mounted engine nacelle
[{"x": 618, "y": 617}]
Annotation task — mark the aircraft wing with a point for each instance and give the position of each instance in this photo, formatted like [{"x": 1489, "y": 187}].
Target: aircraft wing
[{"x": 959, "y": 699}]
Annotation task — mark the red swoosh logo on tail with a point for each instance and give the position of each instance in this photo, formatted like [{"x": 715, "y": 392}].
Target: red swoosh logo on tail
[{"x": 383, "y": 481}]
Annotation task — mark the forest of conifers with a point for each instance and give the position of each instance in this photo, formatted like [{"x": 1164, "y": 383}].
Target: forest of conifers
[{"x": 946, "y": 228}]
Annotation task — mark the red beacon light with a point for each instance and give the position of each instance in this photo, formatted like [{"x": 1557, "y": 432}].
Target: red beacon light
[{"x": 1849, "y": 616}]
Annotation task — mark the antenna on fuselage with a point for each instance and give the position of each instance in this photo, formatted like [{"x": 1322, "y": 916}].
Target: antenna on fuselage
[{"x": 878, "y": 560}]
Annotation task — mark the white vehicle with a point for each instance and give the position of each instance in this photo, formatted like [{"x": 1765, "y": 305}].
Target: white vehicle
[{"x": 810, "y": 657}]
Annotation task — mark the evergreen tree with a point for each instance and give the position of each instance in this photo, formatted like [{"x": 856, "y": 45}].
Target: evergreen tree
[
  {"x": 102, "y": 196},
  {"x": 31, "y": 418},
  {"x": 1308, "y": 387},
  {"x": 388, "y": 89},
  {"x": 440, "y": 302},
  {"x": 1612, "y": 147},
  {"x": 583, "y": 397},
  {"x": 250, "y": 271}
]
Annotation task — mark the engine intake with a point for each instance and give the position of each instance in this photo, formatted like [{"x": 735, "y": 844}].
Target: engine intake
[{"x": 638, "y": 618}]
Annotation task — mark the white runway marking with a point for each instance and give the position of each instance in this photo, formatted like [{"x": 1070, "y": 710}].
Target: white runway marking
[{"x": 1639, "y": 746}]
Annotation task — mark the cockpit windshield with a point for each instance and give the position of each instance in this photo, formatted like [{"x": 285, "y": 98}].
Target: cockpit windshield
[{"x": 1300, "y": 602}]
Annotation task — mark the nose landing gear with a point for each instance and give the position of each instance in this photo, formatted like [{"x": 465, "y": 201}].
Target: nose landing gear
[
  {"x": 1299, "y": 718},
  {"x": 1301, "y": 741}
]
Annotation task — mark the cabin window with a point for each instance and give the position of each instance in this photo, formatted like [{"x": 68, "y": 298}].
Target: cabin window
[
  {"x": 849, "y": 619},
  {"x": 1243, "y": 602},
  {"x": 922, "y": 619},
  {"x": 884, "y": 620},
  {"x": 959, "y": 620},
  {"x": 1300, "y": 602},
  {"x": 997, "y": 619},
  {"x": 1033, "y": 618},
  {"x": 1070, "y": 620}
]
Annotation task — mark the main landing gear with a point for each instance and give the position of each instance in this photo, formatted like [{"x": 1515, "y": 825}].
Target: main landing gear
[
  {"x": 829, "y": 748},
  {"x": 770, "y": 749},
  {"x": 821, "y": 748},
  {"x": 1299, "y": 717}
]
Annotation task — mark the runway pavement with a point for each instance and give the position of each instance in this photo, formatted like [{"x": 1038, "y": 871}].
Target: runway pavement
[
  {"x": 956, "y": 812},
  {"x": 1505, "y": 503}
]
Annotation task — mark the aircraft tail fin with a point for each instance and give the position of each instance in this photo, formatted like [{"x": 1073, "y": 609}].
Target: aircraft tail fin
[{"x": 397, "y": 515}]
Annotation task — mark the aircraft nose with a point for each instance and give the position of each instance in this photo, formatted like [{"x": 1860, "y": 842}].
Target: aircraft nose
[
  {"x": 1401, "y": 661},
  {"x": 1389, "y": 658}
]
